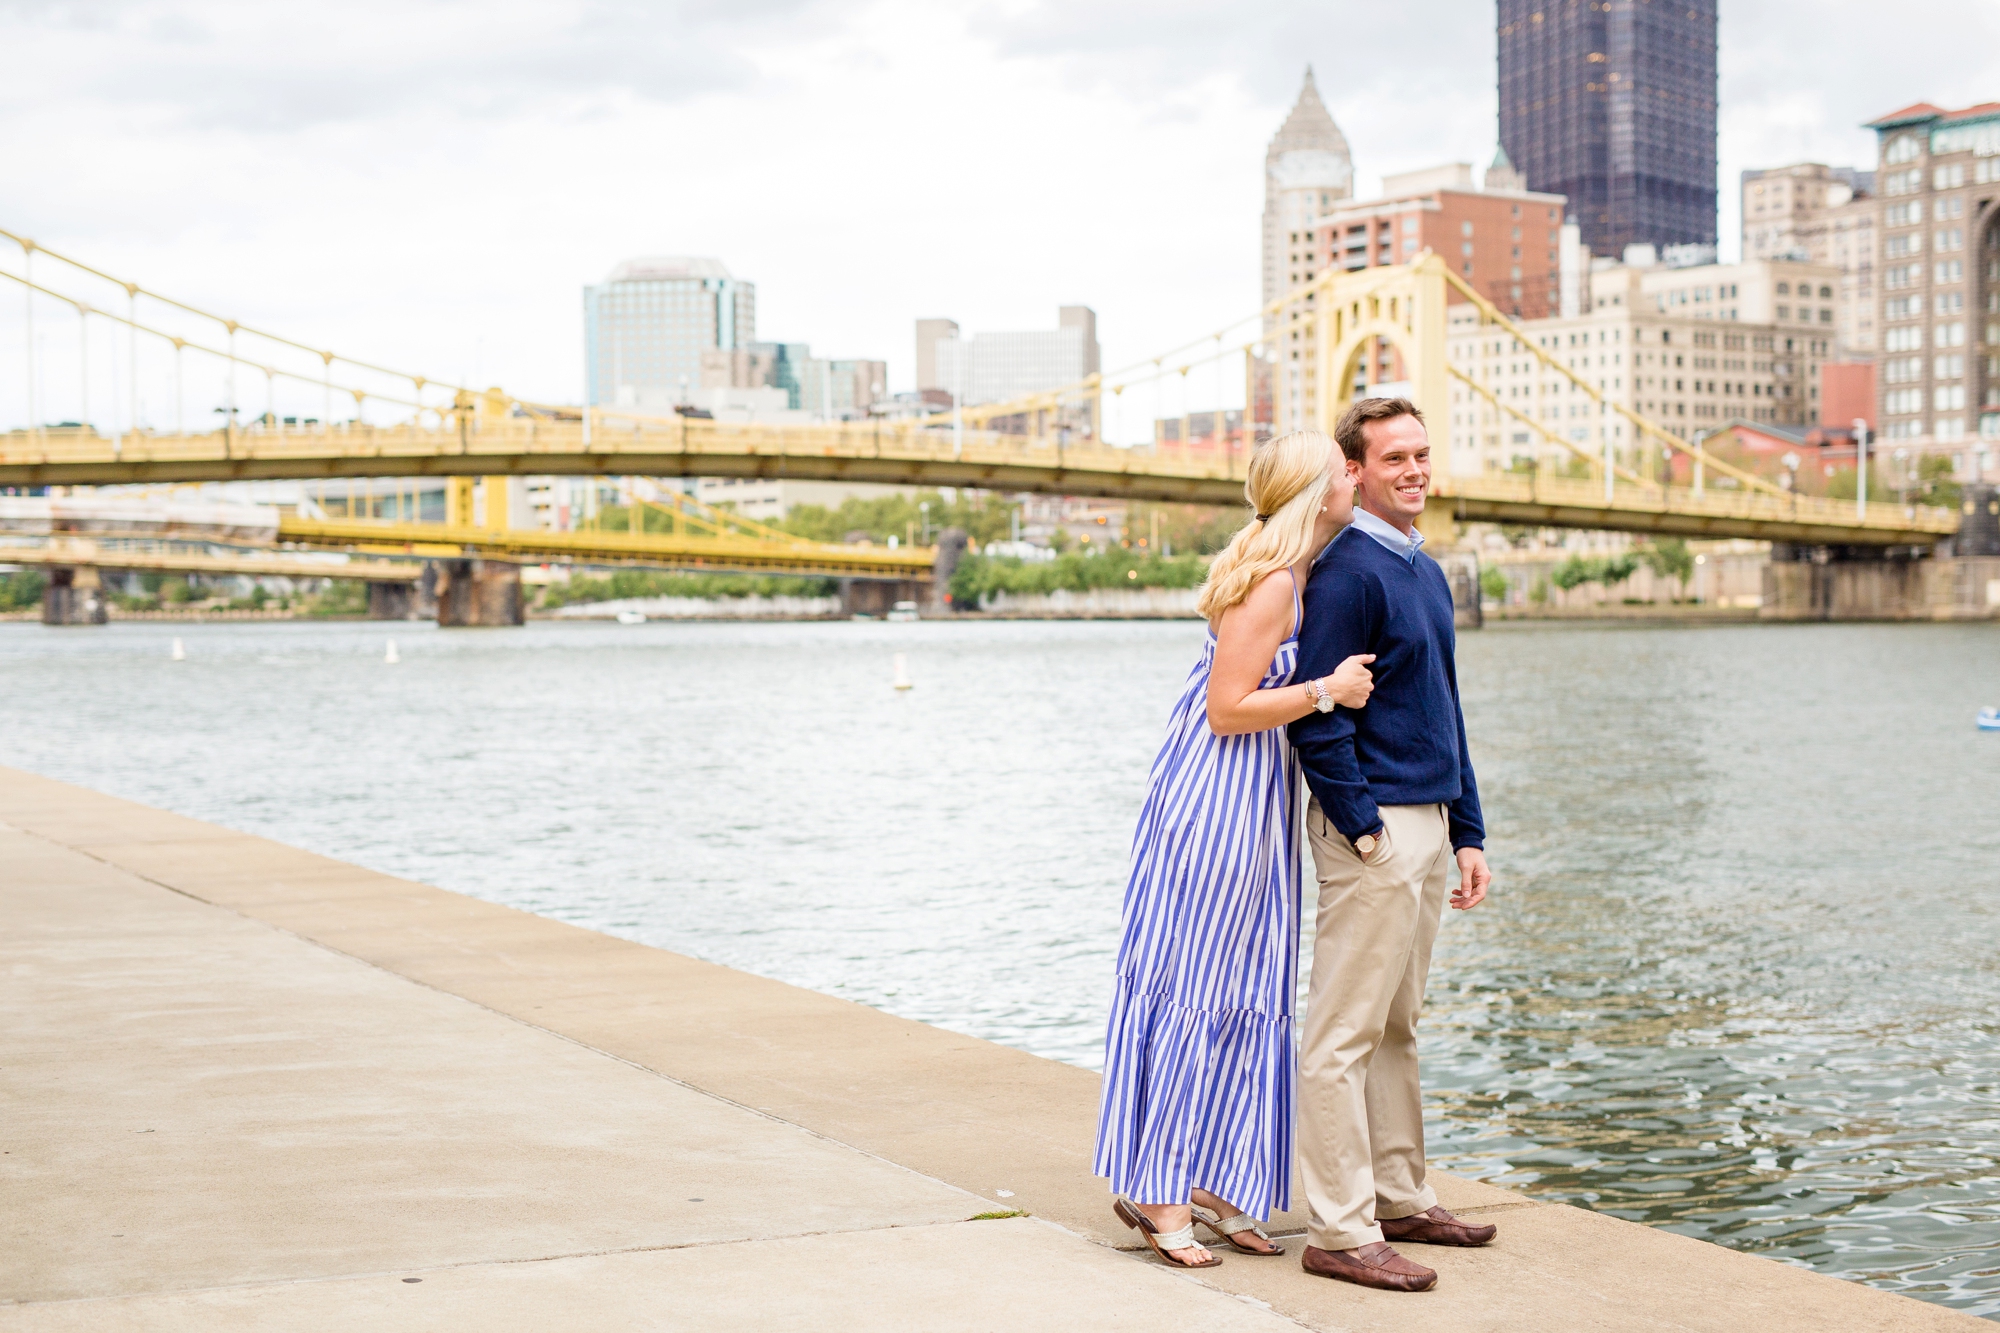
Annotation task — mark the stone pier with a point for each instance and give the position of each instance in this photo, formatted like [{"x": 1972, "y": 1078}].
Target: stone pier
[
  {"x": 476, "y": 592},
  {"x": 1804, "y": 583},
  {"x": 878, "y": 597},
  {"x": 252, "y": 1088},
  {"x": 74, "y": 597}
]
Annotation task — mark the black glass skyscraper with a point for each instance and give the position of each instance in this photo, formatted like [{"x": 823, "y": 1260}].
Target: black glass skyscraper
[{"x": 1612, "y": 102}]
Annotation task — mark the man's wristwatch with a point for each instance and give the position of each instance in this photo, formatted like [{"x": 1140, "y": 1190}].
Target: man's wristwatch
[
  {"x": 1321, "y": 699},
  {"x": 1367, "y": 843}
]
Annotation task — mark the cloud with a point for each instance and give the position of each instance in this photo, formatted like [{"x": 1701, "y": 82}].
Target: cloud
[
  {"x": 430, "y": 182},
  {"x": 278, "y": 69}
]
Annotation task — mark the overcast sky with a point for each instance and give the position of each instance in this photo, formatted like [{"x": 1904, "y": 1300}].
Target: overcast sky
[{"x": 430, "y": 184}]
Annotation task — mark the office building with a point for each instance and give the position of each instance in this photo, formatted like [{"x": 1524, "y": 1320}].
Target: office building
[
  {"x": 1781, "y": 203},
  {"x": 1613, "y": 106},
  {"x": 646, "y": 326},
  {"x": 1307, "y": 170},
  {"x": 994, "y": 367},
  {"x": 1510, "y": 244},
  {"x": 1938, "y": 359},
  {"x": 1825, "y": 215},
  {"x": 928, "y": 333},
  {"x": 790, "y": 378},
  {"x": 1506, "y": 242},
  {"x": 1672, "y": 345}
]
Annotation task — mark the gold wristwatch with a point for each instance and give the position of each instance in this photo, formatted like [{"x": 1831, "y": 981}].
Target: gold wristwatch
[{"x": 1321, "y": 699}]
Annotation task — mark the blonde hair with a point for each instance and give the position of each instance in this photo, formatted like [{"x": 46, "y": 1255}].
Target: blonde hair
[{"x": 1285, "y": 484}]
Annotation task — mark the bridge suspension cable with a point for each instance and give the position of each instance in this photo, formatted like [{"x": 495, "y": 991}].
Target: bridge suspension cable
[{"x": 135, "y": 290}]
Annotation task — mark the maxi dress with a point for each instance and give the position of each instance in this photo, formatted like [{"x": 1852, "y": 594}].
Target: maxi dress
[{"x": 1198, "y": 1053}]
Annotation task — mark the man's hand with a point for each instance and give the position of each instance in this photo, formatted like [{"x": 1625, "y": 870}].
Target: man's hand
[{"x": 1473, "y": 877}]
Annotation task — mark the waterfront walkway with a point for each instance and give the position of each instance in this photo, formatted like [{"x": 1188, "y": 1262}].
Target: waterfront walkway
[{"x": 250, "y": 1087}]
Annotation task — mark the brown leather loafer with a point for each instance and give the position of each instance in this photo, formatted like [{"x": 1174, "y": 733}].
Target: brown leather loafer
[
  {"x": 1437, "y": 1227},
  {"x": 1375, "y": 1264}
]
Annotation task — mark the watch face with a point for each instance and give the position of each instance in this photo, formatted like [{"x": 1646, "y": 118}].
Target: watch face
[{"x": 1325, "y": 704}]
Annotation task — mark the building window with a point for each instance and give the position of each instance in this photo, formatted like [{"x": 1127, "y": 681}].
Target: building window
[{"x": 1902, "y": 148}]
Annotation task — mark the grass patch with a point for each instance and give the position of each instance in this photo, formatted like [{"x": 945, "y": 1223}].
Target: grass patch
[{"x": 994, "y": 1217}]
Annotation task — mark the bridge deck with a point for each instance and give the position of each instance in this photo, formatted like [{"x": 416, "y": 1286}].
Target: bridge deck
[{"x": 904, "y": 454}]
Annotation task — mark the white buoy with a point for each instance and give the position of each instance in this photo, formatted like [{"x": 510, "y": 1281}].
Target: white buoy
[
  {"x": 390, "y": 656},
  {"x": 179, "y": 654},
  {"x": 902, "y": 681}
]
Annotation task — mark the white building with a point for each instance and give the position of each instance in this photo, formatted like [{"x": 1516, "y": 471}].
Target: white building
[
  {"x": 1676, "y": 346},
  {"x": 648, "y": 323},
  {"x": 994, "y": 367}
]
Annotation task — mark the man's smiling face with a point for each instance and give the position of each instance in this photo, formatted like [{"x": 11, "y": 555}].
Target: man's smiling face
[{"x": 1393, "y": 482}]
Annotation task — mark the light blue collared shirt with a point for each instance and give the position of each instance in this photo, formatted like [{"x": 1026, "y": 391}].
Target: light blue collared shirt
[{"x": 1388, "y": 534}]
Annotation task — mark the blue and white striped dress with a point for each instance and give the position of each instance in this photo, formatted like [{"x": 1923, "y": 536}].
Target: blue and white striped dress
[{"x": 1198, "y": 1054}]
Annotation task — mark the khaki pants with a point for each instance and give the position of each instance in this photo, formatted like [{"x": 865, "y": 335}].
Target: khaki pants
[{"x": 1361, "y": 1115}]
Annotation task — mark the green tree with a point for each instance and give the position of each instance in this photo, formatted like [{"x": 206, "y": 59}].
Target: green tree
[
  {"x": 1116, "y": 567},
  {"x": 1493, "y": 584},
  {"x": 1669, "y": 558},
  {"x": 1580, "y": 569},
  {"x": 20, "y": 591}
]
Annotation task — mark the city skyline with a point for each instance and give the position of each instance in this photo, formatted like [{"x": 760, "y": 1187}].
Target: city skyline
[{"x": 372, "y": 210}]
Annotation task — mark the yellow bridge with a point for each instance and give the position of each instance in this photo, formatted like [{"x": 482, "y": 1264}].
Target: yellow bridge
[
  {"x": 887, "y": 452},
  {"x": 1338, "y": 324}
]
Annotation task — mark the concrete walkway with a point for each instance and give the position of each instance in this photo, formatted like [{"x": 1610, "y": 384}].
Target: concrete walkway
[{"x": 242, "y": 1086}]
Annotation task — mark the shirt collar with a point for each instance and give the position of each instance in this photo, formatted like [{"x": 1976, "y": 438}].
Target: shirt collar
[{"x": 1388, "y": 534}]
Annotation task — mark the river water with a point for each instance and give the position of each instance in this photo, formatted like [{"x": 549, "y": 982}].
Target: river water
[{"x": 1738, "y": 978}]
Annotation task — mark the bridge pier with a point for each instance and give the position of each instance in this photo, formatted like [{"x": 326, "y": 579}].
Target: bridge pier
[
  {"x": 74, "y": 597},
  {"x": 476, "y": 592},
  {"x": 1805, "y": 583},
  {"x": 404, "y": 600},
  {"x": 878, "y": 597}
]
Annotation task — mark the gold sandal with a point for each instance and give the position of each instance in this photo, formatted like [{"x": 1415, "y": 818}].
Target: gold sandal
[
  {"x": 1229, "y": 1228},
  {"x": 1161, "y": 1241}
]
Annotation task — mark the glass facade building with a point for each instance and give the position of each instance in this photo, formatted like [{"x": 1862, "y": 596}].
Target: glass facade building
[
  {"x": 1614, "y": 106},
  {"x": 646, "y": 326}
]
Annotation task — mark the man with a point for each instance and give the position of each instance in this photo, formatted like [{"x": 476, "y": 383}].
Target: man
[{"x": 1393, "y": 800}]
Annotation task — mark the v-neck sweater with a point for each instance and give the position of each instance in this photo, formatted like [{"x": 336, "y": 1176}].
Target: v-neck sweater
[{"x": 1407, "y": 745}]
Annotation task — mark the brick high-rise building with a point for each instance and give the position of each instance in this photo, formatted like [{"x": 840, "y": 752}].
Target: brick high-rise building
[
  {"x": 1613, "y": 105},
  {"x": 1505, "y": 241}
]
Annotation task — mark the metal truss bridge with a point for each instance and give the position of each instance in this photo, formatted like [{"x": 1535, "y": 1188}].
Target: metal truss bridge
[{"x": 1335, "y": 327}]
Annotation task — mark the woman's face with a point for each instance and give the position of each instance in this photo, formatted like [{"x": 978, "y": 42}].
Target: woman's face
[{"x": 1339, "y": 505}]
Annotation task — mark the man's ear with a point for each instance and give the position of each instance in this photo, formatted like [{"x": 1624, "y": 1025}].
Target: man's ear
[{"x": 1353, "y": 470}]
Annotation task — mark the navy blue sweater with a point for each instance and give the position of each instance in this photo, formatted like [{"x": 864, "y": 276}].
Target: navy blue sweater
[{"x": 1407, "y": 747}]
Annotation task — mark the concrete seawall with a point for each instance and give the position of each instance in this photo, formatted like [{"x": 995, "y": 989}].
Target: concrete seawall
[{"x": 252, "y": 1087}]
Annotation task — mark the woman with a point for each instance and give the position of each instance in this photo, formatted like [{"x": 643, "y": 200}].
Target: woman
[{"x": 1197, "y": 1114}]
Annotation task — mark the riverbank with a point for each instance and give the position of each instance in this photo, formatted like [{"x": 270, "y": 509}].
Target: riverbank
[{"x": 255, "y": 1087}]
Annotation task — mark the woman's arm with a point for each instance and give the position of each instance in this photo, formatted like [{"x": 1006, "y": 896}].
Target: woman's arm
[{"x": 1245, "y": 642}]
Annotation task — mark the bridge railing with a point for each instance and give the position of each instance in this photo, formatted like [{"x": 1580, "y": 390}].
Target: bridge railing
[
  {"x": 1710, "y": 502},
  {"x": 615, "y": 434},
  {"x": 620, "y": 442}
]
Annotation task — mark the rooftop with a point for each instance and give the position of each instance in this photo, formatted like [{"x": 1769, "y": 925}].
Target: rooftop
[
  {"x": 1918, "y": 113},
  {"x": 656, "y": 268}
]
